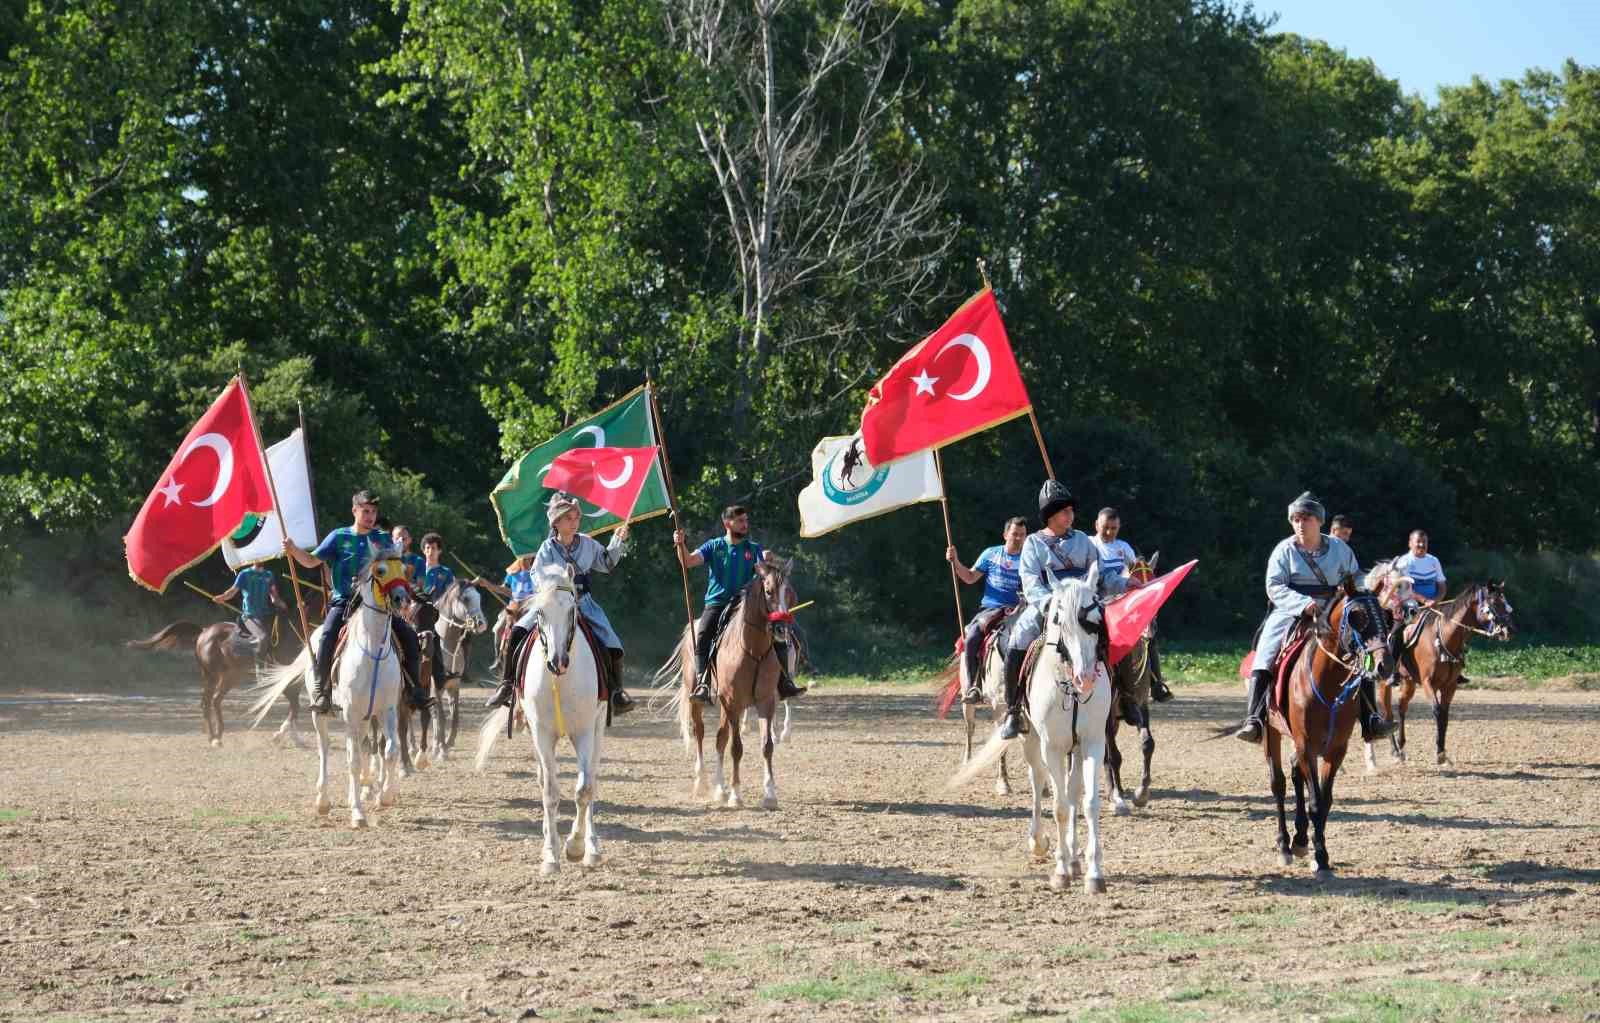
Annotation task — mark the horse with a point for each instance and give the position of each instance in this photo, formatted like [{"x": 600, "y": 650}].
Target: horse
[
  {"x": 1130, "y": 678},
  {"x": 1436, "y": 656},
  {"x": 366, "y": 685},
  {"x": 1068, "y": 701},
  {"x": 558, "y": 685},
  {"x": 799, "y": 658},
  {"x": 746, "y": 667},
  {"x": 461, "y": 617},
  {"x": 224, "y": 663},
  {"x": 1322, "y": 708}
]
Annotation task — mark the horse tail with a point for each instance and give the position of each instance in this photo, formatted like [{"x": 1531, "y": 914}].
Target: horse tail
[
  {"x": 173, "y": 637},
  {"x": 986, "y": 757},
  {"x": 489, "y": 733},
  {"x": 275, "y": 681},
  {"x": 947, "y": 683},
  {"x": 667, "y": 683}
]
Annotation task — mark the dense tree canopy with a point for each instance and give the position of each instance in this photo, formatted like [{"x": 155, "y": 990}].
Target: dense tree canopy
[{"x": 1235, "y": 263}]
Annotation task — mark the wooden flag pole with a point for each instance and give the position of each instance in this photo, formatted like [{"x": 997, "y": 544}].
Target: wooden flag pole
[
  {"x": 283, "y": 528},
  {"x": 950, "y": 541},
  {"x": 1048, "y": 468},
  {"x": 311, "y": 486},
  {"x": 672, "y": 497}
]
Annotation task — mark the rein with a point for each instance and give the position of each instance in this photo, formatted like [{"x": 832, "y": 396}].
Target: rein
[{"x": 1354, "y": 673}]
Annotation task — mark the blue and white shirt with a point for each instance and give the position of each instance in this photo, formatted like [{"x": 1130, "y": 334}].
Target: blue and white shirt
[
  {"x": 1426, "y": 573},
  {"x": 1002, "y": 577},
  {"x": 1116, "y": 557}
]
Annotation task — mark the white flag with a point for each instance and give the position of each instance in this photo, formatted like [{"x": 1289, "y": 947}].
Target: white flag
[
  {"x": 258, "y": 537},
  {"x": 846, "y": 487}
]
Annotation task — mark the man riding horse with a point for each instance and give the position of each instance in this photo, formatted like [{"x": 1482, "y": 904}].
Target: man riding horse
[
  {"x": 567, "y": 549},
  {"x": 730, "y": 561},
  {"x": 346, "y": 551},
  {"x": 258, "y": 590},
  {"x": 998, "y": 568},
  {"x": 1303, "y": 575},
  {"x": 1117, "y": 557},
  {"x": 1054, "y": 553}
]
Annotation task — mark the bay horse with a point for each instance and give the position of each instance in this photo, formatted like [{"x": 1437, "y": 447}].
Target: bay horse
[
  {"x": 1436, "y": 656},
  {"x": 366, "y": 685},
  {"x": 1130, "y": 679},
  {"x": 558, "y": 688},
  {"x": 1323, "y": 707},
  {"x": 223, "y": 665},
  {"x": 746, "y": 667},
  {"x": 1068, "y": 701}
]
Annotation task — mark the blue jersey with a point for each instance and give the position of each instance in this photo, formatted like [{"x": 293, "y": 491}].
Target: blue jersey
[
  {"x": 347, "y": 552},
  {"x": 254, "y": 584},
  {"x": 416, "y": 568},
  {"x": 729, "y": 566},
  {"x": 520, "y": 584},
  {"x": 1002, "y": 578},
  {"x": 1426, "y": 573},
  {"x": 436, "y": 580}
]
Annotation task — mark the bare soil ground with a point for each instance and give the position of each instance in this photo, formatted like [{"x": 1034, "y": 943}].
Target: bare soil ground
[{"x": 148, "y": 876}]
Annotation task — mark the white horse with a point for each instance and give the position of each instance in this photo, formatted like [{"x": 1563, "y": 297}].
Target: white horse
[
  {"x": 1068, "y": 698},
  {"x": 366, "y": 687},
  {"x": 460, "y": 618},
  {"x": 559, "y": 687}
]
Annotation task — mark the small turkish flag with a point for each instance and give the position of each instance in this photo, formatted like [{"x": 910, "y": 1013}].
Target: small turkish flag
[
  {"x": 218, "y": 477},
  {"x": 1129, "y": 615},
  {"x": 958, "y": 380},
  {"x": 608, "y": 477}
]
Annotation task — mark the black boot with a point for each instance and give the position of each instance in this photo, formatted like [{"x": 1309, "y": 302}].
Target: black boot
[
  {"x": 1374, "y": 726},
  {"x": 1014, "y": 724},
  {"x": 1158, "y": 685},
  {"x": 508, "y": 670},
  {"x": 621, "y": 702},
  {"x": 972, "y": 654},
  {"x": 701, "y": 693},
  {"x": 321, "y": 691},
  {"x": 1254, "y": 725},
  {"x": 786, "y": 686}
]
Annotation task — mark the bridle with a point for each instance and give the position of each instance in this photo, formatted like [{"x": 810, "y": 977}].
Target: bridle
[{"x": 539, "y": 630}]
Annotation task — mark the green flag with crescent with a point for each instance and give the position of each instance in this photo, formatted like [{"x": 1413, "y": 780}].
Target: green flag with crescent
[{"x": 520, "y": 499}]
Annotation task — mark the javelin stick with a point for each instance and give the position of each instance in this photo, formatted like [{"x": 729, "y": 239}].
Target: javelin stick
[
  {"x": 283, "y": 527},
  {"x": 211, "y": 597},
  {"x": 672, "y": 497},
  {"x": 470, "y": 571}
]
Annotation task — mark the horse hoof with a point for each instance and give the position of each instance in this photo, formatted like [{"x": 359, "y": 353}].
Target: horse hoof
[
  {"x": 1058, "y": 882},
  {"x": 216, "y": 743},
  {"x": 769, "y": 802},
  {"x": 549, "y": 868},
  {"x": 1443, "y": 761},
  {"x": 406, "y": 770},
  {"x": 591, "y": 859},
  {"x": 574, "y": 852},
  {"x": 388, "y": 800},
  {"x": 1094, "y": 886},
  {"x": 1075, "y": 868},
  {"x": 357, "y": 823},
  {"x": 423, "y": 762},
  {"x": 1323, "y": 874},
  {"x": 718, "y": 794},
  {"x": 733, "y": 802},
  {"x": 1002, "y": 788},
  {"x": 1301, "y": 851},
  {"x": 1141, "y": 798},
  {"x": 1122, "y": 809},
  {"x": 322, "y": 807},
  {"x": 1284, "y": 859}
]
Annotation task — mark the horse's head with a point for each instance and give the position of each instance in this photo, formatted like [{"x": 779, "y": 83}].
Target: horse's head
[
  {"x": 555, "y": 615},
  {"x": 467, "y": 606},
  {"x": 382, "y": 584},
  {"x": 1142, "y": 571},
  {"x": 1391, "y": 586},
  {"x": 1074, "y": 622},
  {"x": 773, "y": 577},
  {"x": 1494, "y": 610},
  {"x": 1357, "y": 620}
]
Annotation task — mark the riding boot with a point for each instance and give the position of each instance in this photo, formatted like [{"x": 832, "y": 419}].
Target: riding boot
[
  {"x": 321, "y": 690},
  {"x": 701, "y": 693},
  {"x": 786, "y": 686},
  {"x": 1374, "y": 725},
  {"x": 621, "y": 702},
  {"x": 1254, "y": 725},
  {"x": 1014, "y": 724},
  {"x": 508, "y": 671},
  {"x": 1394, "y": 643},
  {"x": 1158, "y": 685},
  {"x": 972, "y": 654}
]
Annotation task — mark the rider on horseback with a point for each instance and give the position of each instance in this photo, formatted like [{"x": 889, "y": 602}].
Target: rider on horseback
[
  {"x": 1055, "y": 552},
  {"x": 346, "y": 552},
  {"x": 998, "y": 568},
  {"x": 1303, "y": 576},
  {"x": 730, "y": 562},
  {"x": 415, "y": 563},
  {"x": 566, "y": 548},
  {"x": 258, "y": 590},
  {"x": 1427, "y": 582},
  {"x": 436, "y": 578},
  {"x": 1117, "y": 557}
]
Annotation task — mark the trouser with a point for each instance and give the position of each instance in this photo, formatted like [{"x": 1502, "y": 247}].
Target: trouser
[
  {"x": 1273, "y": 632},
  {"x": 1025, "y": 628},
  {"x": 404, "y": 634},
  {"x": 255, "y": 629},
  {"x": 972, "y": 642},
  {"x": 706, "y": 629}
]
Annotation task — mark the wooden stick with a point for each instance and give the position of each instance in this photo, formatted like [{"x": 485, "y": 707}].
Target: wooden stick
[
  {"x": 799, "y": 606},
  {"x": 949, "y": 539},
  {"x": 211, "y": 597},
  {"x": 468, "y": 569},
  {"x": 672, "y": 496},
  {"x": 1048, "y": 468},
  {"x": 283, "y": 527}
]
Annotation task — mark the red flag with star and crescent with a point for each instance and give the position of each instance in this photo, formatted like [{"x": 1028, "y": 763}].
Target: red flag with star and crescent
[
  {"x": 609, "y": 477},
  {"x": 218, "y": 477},
  {"x": 958, "y": 380}
]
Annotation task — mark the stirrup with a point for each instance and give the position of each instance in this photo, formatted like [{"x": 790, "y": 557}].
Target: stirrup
[
  {"x": 787, "y": 688},
  {"x": 502, "y": 697},
  {"x": 1159, "y": 691},
  {"x": 701, "y": 693},
  {"x": 621, "y": 702},
  {"x": 974, "y": 694},
  {"x": 1014, "y": 724},
  {"x": 1251, "y": 731},
  {"x": 1375, "y": 727}
]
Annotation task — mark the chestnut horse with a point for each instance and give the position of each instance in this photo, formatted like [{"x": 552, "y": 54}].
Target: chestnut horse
[
  {"x": 223, "y": 665},
  {"x": 746, "y": 667},
  {"x": 1324, "y": 704},
  {"x": 1438, "y": 654}
]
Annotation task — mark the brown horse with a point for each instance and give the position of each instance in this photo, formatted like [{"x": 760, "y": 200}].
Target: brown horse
[
  {"x": 1130, "y": 685},
  {"x": 1436, "y": 656},
  {"x": 223, "y": 665},
  {"x": 746, "y": 667},
  {"x": 1323, "y": 706}
]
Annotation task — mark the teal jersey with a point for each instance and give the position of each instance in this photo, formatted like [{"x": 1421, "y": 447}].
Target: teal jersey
[
  {"x": 729, "y": 566},
  {"x": 346, "y": 553},
  {"x": 416, "y": 568},
  {"x": 254, "y": 584},
  {"x": 436, "y": 580}
]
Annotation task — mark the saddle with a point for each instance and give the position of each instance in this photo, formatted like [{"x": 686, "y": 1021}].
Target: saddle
[
  {"x": 1292, "y": 644},
  {"x": 991, "y": 635}
]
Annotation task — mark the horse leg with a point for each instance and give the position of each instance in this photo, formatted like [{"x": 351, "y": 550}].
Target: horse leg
[
  {"x": 407, "y": 768},
  {"x": 1323, "y": 787},
  {"x": 969, "y": 717},
  {"x": 788, "y": 709},
  {"x": 719, "y": 788},
  {"x": 734, "y": 802},
  {"x": 319, "y": 724},
  {"x": 354, "y": 759},
  {"x": 1086, "y": 790},
  {"x": 1038, "y": 844},
  {"x": 1066, "y": 781},
  {"x": 769, "y": 781},
  {"x": 583, "y": 801},
  {"x": 544, "y": 748},
  {"x": 1302, "y": 821},
  {"x": 1310, "y": 768},
  {"x": 1119, "y": 805},
  {"x": 1397, "y": 738},
  {"x": 1441, "y": 721},
  {"x": 1147, "y": 747},
  {"x": 1272, "y": 746},
  {"x": 697, "y": 728},
  {"x": 387, "y": 794},
  {"x": 455, "y": 715}
]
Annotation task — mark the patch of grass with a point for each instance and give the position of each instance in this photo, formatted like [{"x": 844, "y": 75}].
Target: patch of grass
[
  {"x": 661, "y": 1010},
  {"x": 1403, "y": 999},
  {"x": 1142, "y": 1012},
  {"x": 959, "y": 984},
  {"x": 1578, "y": 960},
  {"x": 715, "y": 960},
  {"x": 1378, "y": 952},
  {"x": 1190, "y": 940},
  {"x": 217, "y": 817},
  {"x": 854, "y": 928},
  {"x": 852, "y": 982},
  {"x": 1082, "y": 953},
  {"x": 12, "y": 816},
  {"x": 1267, "y": 918},
  {"x": 1476, "y": 940},
  {"x": 229, "y": 1002},
  {"x": 431, "y": 1005}
]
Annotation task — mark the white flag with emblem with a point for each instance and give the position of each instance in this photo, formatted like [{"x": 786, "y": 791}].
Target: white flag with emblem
[
  {"x": 846, "y": 487},
  {"x": 258, "y": 537}
]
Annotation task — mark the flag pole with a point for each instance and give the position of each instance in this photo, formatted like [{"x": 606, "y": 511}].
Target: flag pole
[
  {"x": 672, "y": 495},
  {"x": 949, "y": 539},
  {"x": 283, "y": 527},
  {"x": 211, "y": 597},
  {"x": 1038, "y": 436},
  {"x": 311, "y": 490}
]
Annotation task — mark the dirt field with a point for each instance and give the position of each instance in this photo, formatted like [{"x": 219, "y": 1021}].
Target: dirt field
[{"x": 151, "y": 877}]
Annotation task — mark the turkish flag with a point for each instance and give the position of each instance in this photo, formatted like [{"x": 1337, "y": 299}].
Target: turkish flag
[
  {"x": 609, "y": 477},
  {"x": 218, "y": 477},
  {"x": 1129, "y": 615},
  {"x": 959, "y": 380}
]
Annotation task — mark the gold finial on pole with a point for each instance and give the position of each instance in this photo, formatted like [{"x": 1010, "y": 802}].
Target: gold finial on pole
[{"x": 983, "y": 271}]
